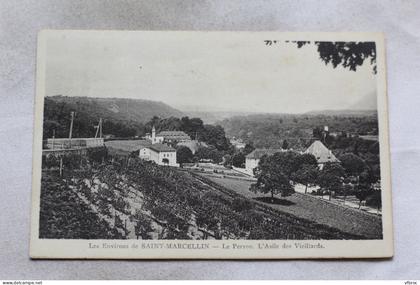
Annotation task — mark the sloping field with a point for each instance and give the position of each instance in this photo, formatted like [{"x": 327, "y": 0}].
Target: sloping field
[
  {"x": 129, "y": 198},
  {"x": 310, "y": 208}
]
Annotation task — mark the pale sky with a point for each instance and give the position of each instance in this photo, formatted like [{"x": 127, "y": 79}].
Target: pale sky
[{"x": 206, "y": 71}]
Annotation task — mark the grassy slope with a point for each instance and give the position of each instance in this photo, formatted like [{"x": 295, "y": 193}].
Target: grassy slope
[
  {"x": 312, "y": 209},
  {"x": 170, "y": 192}
]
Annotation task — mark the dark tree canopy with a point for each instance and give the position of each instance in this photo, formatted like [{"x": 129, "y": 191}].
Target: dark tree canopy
[
  {"x": 347, "y": 54},
  {"x": 249, "y": 147},
  {"x": 306, "y": 175},
  {"x": 275, "y": 172},
  {"x": 353, "y": 164},
  {"x": 331, "y": 177},
  {"x": 238, "y": 159},
  {"x": 285, "y": 144},
  {"x": 183, "y": 155}
]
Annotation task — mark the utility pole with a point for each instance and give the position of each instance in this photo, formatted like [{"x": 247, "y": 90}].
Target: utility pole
[
  {"x": 53, "y": 139},
  {"x": 61, "y": 166},
  {"x": 71, "y": 126},
  {"x": 99, "y": 129}
]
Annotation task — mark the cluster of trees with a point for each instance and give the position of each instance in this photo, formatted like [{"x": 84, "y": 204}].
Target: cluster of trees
[
  {"x": 350, "y": 55},
  {"x": 232, "y": 157},
  {"x": 368, "y": 150},
  {"x": 277, "y": 173},
  {"x": 237, "y": 157},
  {"x": 270, "y": 130},
  {"x": 213, "y": 135},
  {"x": 57, "y": 120}
]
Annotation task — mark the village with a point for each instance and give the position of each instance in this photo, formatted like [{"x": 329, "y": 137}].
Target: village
[{"x": 163, "y": 149}]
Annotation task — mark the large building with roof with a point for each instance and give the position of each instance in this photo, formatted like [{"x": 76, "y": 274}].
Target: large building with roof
[
  {"x": 161, "y": 154},
  {"x": 168, "y": 136},
  {"x": 322, "y": 154},
  {"x": 174, "y": 136}
]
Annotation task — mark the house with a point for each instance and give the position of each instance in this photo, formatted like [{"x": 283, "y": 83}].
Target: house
[
  {"x": 253, "y": 158},
  {"x": 322, "y": 153},
  {"x": 161, "y": 154}
]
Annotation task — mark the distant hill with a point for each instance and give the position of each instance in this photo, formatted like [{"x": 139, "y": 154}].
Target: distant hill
[
  {"x": 210, "y": 117},
  {"x": 351, "y": 112},
  {"x": 269, "y": 130},
  {"x": 122, "y": 117}
]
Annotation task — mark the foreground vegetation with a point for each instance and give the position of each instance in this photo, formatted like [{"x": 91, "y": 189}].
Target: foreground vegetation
[{"x": 129, "y": 198}]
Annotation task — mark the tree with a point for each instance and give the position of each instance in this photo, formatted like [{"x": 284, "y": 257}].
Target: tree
[
  {"x": 330, "y": 177},
  {"x": 215, "y": 136},
  {"x": 238, "y": 159},
  {"x": 347, "y": 54},
  {"x": 270, "y": 181},
  {"x": 352, "y": 164},
  {"x": 362, "y": 194},
  {"x": 285, "y": 145},
  {"x": 183, "y": 155},
  {"x": 306, "y": 175},
  {"x": 209, "y": 153},
  {"x": 375, "y": 200},
  {"x": 273, "y": 174}
]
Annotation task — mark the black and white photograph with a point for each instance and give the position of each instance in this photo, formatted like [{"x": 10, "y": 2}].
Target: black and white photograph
[{"x": 207, "y": 142}]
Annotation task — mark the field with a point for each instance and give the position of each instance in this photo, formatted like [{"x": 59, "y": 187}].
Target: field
[
  {"x": 128, "y": 198},
  {"x": 310, "y": 208},
  {"x": 65, "y": 216}
]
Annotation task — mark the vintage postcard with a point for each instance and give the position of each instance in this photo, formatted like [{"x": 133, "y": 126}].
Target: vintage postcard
[{"x": 210, "y": 145}]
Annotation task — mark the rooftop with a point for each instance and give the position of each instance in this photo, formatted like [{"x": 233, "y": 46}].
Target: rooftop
[
  {"x": 174, "y": 134},
  {"x": 321, "y": 152},
  {"x": 158, "y": 147}
]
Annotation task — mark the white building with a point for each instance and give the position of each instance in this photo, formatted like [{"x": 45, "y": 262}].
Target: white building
[{"x": 161, "y": 154}]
